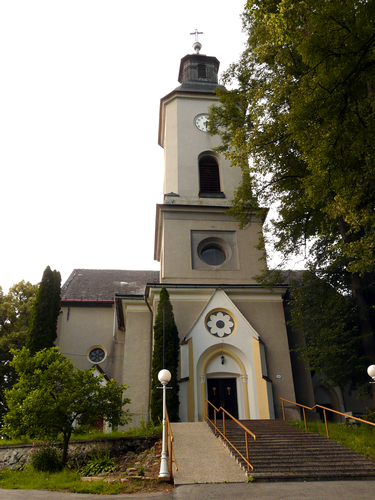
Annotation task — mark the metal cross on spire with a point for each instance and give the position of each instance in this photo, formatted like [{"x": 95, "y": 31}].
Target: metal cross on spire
[
  {"x": 196, "y": 45},
  {"x": 196, "y": 33}
]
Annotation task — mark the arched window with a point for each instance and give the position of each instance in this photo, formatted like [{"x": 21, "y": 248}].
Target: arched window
[{"x": 209, "y": 179}]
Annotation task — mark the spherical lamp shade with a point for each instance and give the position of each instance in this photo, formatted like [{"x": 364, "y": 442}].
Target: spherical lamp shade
[
  {"x": 164, "y": 376},
  {"x": 371, "y": 371}
]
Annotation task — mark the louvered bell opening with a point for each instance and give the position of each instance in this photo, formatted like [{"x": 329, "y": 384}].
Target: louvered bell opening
[
  {"x": 209, "y": 175},
  {"x": 202, "y": 71}
]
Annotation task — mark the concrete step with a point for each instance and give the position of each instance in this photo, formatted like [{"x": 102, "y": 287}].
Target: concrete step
[{"x": 283, "y": 452}]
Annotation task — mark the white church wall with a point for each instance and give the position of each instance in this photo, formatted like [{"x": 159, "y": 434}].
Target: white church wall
[
  {"x": 137, "y": 362},
  {"x": 267, "y": 316},
  {"x": 183, "y": 402},
  {"x": 226, "y": 366},
  {"x": 171, "y": 152},
  {"x": 82, "y": 328}
]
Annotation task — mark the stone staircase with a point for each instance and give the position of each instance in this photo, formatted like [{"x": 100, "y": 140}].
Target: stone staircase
[{"x": 283, "y": 453}]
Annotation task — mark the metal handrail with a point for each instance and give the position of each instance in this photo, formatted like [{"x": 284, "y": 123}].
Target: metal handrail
[
  {"x": 324, "y": 412},
  {"x": 170, "y": 451},
  {"x": 223, "y": 434}
]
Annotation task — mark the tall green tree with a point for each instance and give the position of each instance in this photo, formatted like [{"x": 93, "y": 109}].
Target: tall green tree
[
  {"x": 329, "y": 321},
  {"x": 42, "y": 331},
  {"x": 15, "y": 312},
  {"x": 299, "y": 119},
  {"x": 165, "y": 321},
  {"x": 51, "y": 396}
]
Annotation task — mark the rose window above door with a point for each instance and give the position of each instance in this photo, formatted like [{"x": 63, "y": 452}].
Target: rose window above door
[{"x": 220, "y": 324}]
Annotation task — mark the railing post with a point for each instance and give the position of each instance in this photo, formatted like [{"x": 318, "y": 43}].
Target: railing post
[
  {"x": 325, "y": 420},
  {"x": 170, "y": 456},
  {"x": 304, "y": 418},
  {"x": 282, "y": 404},
  {"x": 215, "y": 421},
  {"x": 247, "y": 450},
  {"x": 224, "y": 432}
]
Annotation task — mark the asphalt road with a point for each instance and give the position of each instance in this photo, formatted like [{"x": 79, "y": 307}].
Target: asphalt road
[{"x": 332, "y": 490}]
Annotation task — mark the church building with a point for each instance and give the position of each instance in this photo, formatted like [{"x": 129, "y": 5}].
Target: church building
[{"x": 234, "y": 344}]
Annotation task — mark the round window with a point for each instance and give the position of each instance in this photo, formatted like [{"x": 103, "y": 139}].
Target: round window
[
  {"x": 96, "y": 355},
  {"x": 220, "y": 324},
  {"x": 213, "y": 251},
  {"x": 213, "y": 255}
]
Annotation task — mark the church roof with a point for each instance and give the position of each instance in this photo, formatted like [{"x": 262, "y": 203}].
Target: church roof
[{"x": 102, "y": 284}]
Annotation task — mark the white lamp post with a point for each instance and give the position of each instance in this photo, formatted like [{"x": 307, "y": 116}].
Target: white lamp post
[
  {"x": 164, "y": 377},
  {"x": 371, "y": 371}
]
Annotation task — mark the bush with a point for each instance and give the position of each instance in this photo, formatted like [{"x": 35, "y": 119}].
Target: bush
[
  {"x": 97, "y": 465},
  {"x": 84, "y": 430},
  {"x": 369, "y": 415},
  {"x": 45, "y": 457}
]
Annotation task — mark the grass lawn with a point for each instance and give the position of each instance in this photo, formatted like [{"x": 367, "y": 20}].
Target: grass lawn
[
  {"x": 145, "y": 430},
  {"x": 68, "y": 480},
  {"x": 360, "y": 438}
]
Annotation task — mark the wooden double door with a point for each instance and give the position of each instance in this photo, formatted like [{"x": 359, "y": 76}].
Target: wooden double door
[{"x": 222, "y": 392}]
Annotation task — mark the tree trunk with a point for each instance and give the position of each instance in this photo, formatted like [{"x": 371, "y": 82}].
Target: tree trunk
[{"x": 65, "y": 448}]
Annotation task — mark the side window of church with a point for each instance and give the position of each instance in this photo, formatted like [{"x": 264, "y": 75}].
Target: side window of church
[{"x": 209, "y": 179}]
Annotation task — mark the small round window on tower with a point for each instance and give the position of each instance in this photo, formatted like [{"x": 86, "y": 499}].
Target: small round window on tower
[
  {"x": 213, "y": 251},
  {"x": 213, "y": 255}
]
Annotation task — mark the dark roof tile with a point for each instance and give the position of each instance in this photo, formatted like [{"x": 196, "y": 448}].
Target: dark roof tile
[{"x": 102, "y": 284}]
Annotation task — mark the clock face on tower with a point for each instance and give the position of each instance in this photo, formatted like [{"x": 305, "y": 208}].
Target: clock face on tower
[{"x": 200, "y": 121}]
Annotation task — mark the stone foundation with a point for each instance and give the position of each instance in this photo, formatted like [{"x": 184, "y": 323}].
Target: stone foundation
[{"x": 15, "y": 456}]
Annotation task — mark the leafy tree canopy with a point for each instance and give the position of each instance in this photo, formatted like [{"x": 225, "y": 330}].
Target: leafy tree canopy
[
  {"x": 15, "y": 311},
  {"x": 51, "y": 396},
  {"x": 301, "y": 107},
  {"x": 171, "y": 357},
  {"x": 332, "y": 342}
]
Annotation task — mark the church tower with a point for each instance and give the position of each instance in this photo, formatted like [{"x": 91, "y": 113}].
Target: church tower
[
  {"x": 232, "y": 331},
  {"x": 196, "y": 241}
]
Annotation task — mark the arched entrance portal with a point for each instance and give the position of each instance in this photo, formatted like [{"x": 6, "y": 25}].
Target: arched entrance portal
[{"x": 224, "y": 382}]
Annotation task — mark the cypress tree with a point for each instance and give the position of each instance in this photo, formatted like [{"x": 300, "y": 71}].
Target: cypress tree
[
  {"x": 171, "y": 357},
  {"x": 42, "y": 331}
]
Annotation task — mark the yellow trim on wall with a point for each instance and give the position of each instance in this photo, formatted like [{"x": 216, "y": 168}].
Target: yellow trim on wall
[{"x": 261, "y": 384}]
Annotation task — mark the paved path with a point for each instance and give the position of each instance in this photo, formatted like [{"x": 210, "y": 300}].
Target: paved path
[
  {"x": 201, "y": 458},
  {"x": 332, "y": 490}
]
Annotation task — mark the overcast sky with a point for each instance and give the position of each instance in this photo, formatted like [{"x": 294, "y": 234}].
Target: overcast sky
[{"x": 80, "y": 87}]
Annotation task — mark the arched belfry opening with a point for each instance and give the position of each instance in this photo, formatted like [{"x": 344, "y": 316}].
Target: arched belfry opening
[{"x": 209, "y": 177}]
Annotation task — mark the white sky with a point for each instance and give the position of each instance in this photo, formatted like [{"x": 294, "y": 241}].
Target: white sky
[{"x": 80, "y": 87}]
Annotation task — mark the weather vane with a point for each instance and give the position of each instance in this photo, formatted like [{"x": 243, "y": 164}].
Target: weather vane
[{"x": 196, "y": 45}]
